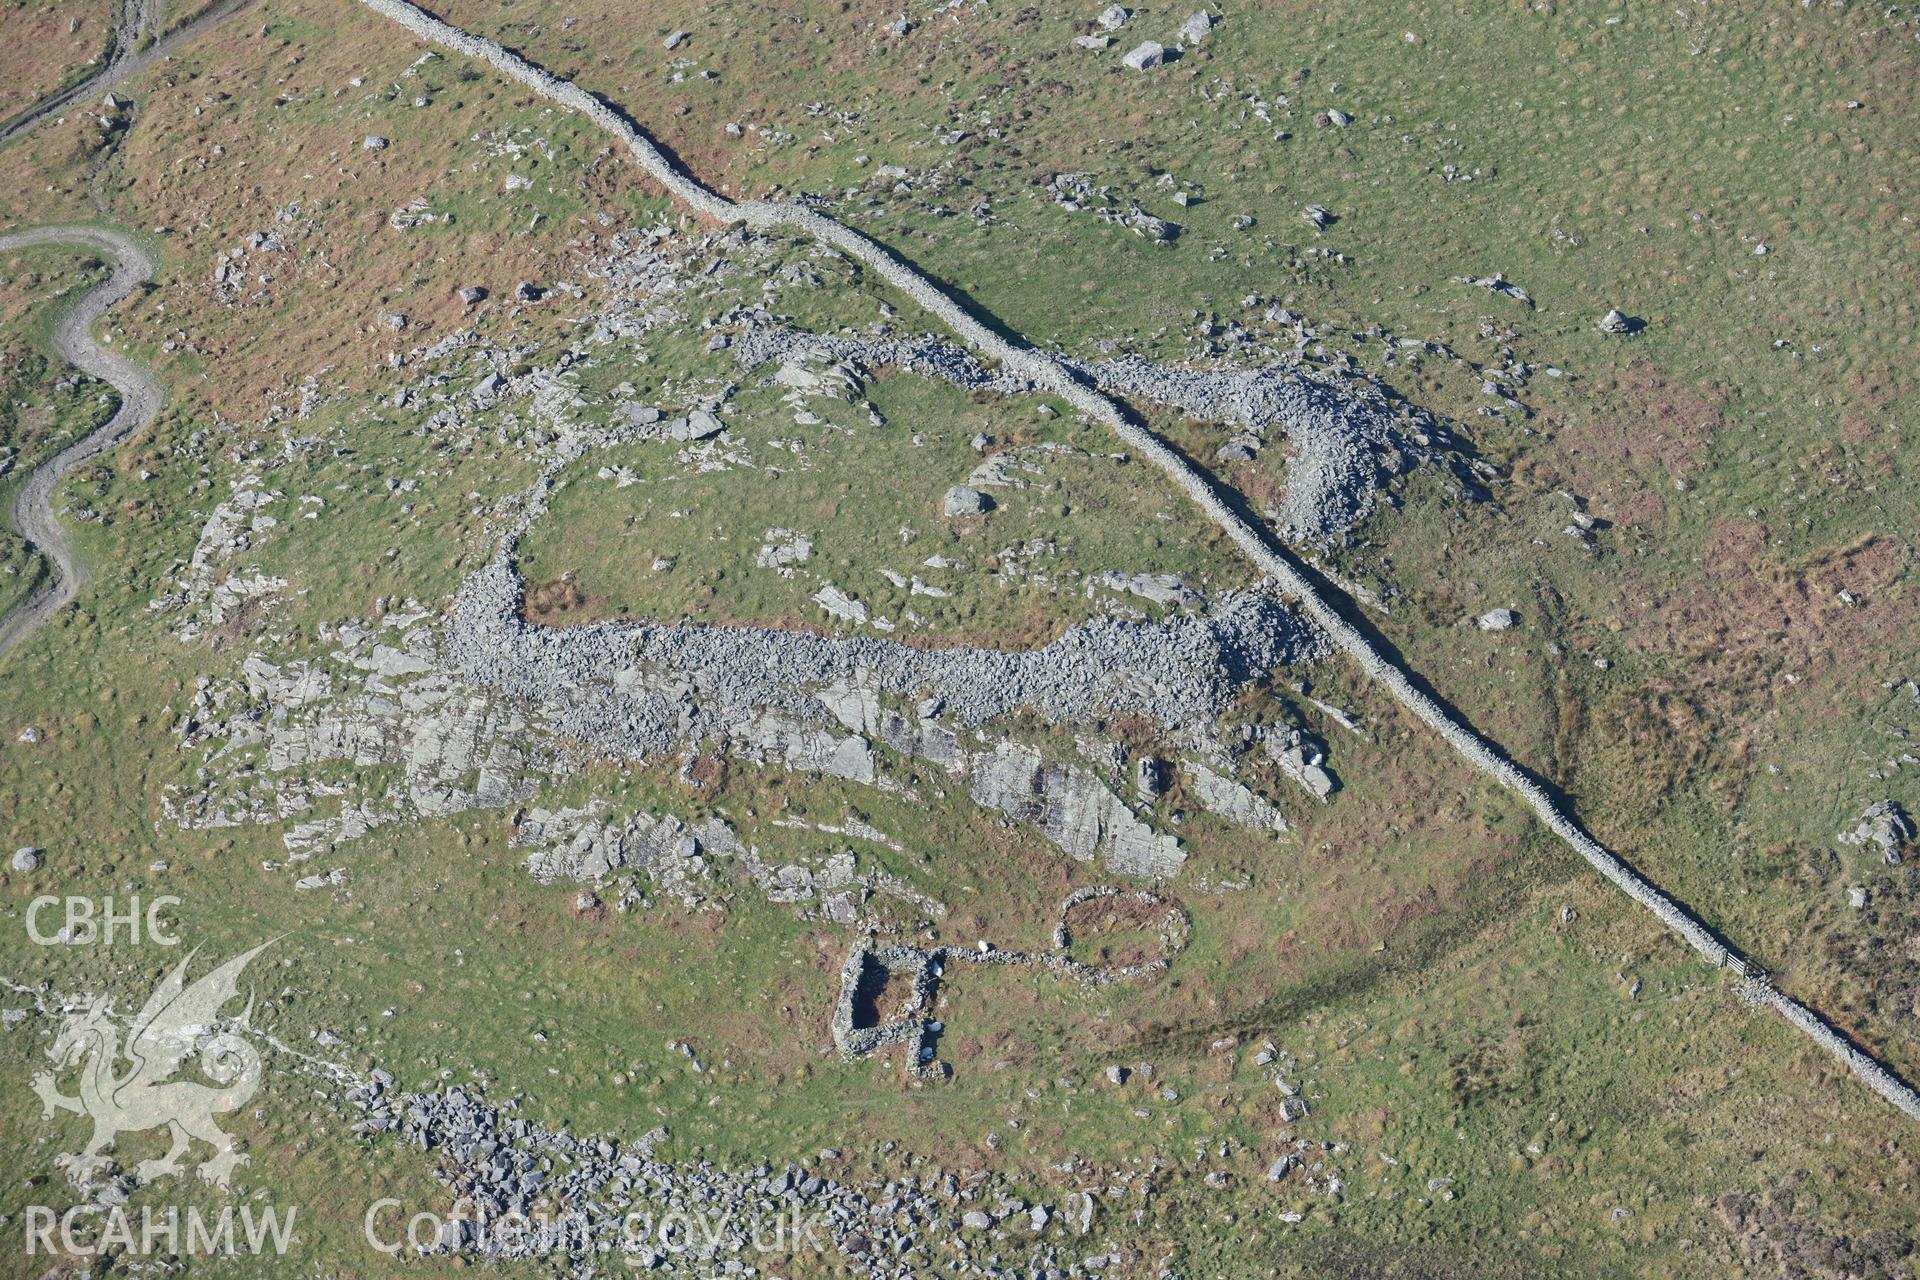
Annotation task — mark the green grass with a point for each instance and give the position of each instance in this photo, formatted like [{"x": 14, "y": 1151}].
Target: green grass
[{"x": 869, "y": 498}]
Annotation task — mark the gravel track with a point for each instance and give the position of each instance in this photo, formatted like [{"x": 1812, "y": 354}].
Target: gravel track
[
  {"x": 1294, "y": 579},
  {"x": 140, "y": 399}
]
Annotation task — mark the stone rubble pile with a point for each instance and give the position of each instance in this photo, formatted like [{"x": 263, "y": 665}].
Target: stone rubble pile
[
  {"x": 645, "y": 688},
  {"x": 1346, "y": 436},
  {"x": 580, "y": 1205}
]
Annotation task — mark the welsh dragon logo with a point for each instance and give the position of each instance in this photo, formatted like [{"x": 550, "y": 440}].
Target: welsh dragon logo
[{"x": 177, "y": 1022}]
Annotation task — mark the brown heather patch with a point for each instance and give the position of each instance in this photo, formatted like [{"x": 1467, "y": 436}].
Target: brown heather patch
[
  {"x": 1746, "y": 599},
  {"x": 39, "y": 54},
  {"x": 334, "y": 280},
  {"x": 1866, "y": 399},
  {"x": 1731, "y": 634},
  {"x": 553, "y": 604},
  {"x": 1643, "y": 431}
]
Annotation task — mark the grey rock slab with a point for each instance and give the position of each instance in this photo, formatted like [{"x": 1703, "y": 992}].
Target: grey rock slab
[
  {"x": 698, "y": 425},
  {"x": 1233, "y": 801}
]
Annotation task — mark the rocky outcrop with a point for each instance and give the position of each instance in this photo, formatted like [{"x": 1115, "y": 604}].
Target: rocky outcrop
[
  {"x": 1074, "y": 809},
  {"x": 1885, "y": 826},
  {"x": 1233, "y": 801}
]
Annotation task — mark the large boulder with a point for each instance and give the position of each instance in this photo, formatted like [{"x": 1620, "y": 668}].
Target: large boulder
[{"x": 962, "y": 501}]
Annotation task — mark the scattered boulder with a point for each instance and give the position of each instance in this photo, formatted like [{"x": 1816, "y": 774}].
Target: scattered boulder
[
  {"x": 1617, "y": 321},
  {"x": 1302, "y": 760},
  {"x": 1195, "y": 29},
  {"x": 1144, "y": 55},
  {"x": 373, "y": 142},
  {"x": 1886, "y": 825},
  {"x": 1318, "y": 215},
  {"x": 1116, "y": 1074},
  {"x": 1093, "y": 42},
  {"x": 962, "y": 501},
  {"x": 1496, "y": 620},
  {"x": 697, "y": 425},
  {"x": 472, "y": 293},
  {"x": 1168, "y": 590},
  {"x": 1113, "y": 17},
  {"x": 1159, "y": 230},
  {"x": 674, "y": 40},
  {"x": 783, "y": 548},
  {"x": 1338, "y": 118},
  {"x": 526, "y": 291},
  {"x": 1498, "y": 283},
  {"x": 26, "y": 858},
  {"x": 840, "y": 604}
]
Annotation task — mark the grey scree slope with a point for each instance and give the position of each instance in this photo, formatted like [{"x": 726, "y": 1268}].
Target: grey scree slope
[{"x": 1049, "y": 374}]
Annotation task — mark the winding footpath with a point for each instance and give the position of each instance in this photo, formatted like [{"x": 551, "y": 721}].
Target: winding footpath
[
  {"x": 1314, "y": 597},
  {"x": 140, "y": 400},
  {"x": 137, "y": 19}
]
